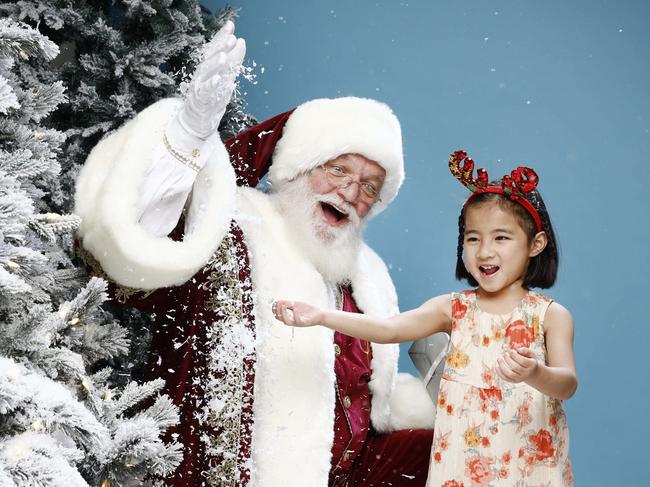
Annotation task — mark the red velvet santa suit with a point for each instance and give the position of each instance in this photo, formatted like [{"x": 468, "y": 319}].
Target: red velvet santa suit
[{"x": 260, "y": 401}]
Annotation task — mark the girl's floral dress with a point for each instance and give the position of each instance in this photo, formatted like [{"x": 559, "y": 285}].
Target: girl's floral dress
[{"x": 490, "y": 432}]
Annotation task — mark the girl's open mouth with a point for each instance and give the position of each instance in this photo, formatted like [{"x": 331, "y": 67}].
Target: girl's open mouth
[{"x": 488, "y": 270}]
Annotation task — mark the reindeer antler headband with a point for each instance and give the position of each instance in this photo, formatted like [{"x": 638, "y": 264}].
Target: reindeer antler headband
[{"x": 515, "y": 186}]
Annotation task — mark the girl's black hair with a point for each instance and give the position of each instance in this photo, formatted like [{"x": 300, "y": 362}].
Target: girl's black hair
[{"x": 542, "y": 269}]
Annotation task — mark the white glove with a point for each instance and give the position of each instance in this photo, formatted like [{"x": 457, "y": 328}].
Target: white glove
[
  {"x": 213, "y": 83},
  {"x": 191, "y": 135}
]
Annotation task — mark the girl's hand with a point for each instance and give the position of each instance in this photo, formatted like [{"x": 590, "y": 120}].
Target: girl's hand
[
  {"x": 517, "y": 365},
  {"x": 295, "y": 313}
]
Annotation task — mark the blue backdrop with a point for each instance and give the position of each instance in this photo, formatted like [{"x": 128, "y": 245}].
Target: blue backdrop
[{"x": 561, "y": 86}]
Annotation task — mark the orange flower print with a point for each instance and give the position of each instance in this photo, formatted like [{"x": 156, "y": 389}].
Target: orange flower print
[
  {"x": 553, "y": 423},
  {"x": 531, "y": 299},
  {"x": 453, "y": 483},
  {"x": 494, "y": 414},
  {"x": 523, "y": 413},
  {"x": 485, "y": 442},
  {"x": 437, "y": 457},
  {"x": 506, "y": 457},
  {"x": 472, "y": 437},
  {"x": 491, "y": 393},
  {"x": 519, "y": 334},
  {"x": 486, "y": 341},
  {"x": 521, "y": 453},
  {"x": 503, "y": 473},
  {"x": 479, "y": 470},
  {"x": 442, "y": 399},
  {"x": 535, "y": 327},
  {"x": 450, "y": 409},
  {"x": 543, "y": 445},
  {"x": 497, "y": 332},
  {"x": 458, "y": 359},
  {"x": 458, "y": 309},
  {"x": 487, "y": 377}
]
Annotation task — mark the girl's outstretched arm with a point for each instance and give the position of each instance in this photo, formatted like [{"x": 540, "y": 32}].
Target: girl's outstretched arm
[
  {"x": 557, "y": 378},
  {"x": 431, "y": 317}
]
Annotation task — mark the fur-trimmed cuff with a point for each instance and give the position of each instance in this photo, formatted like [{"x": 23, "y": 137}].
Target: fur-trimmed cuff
[
  {"x": 410, "y": 405},
  {"x": 106, "y": 198}
]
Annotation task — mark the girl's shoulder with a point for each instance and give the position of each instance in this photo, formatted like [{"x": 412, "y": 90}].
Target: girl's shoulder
[
  {"x": 556, "y": 312},
  {"x": 552, "y": 311}
]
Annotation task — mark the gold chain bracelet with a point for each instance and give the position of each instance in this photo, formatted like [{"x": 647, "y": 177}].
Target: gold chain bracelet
[{"x": 180, "y": 157}]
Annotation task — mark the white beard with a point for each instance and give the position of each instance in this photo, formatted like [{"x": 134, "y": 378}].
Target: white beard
[{"x": 332, "y": 250}]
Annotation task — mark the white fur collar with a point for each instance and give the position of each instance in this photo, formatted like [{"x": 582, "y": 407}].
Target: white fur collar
[{"x": 295, "y": 382}]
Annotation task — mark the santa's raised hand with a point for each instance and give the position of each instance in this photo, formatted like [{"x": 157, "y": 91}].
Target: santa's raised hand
[
  {"x": 296, "y": 313},
  {"x": 213, "y": 83}
]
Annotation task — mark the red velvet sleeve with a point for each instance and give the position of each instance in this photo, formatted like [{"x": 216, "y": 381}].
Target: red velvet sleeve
[{"x": 251, "y": 150}]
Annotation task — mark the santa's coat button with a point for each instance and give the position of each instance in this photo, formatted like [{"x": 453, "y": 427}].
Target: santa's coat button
[{"x": 347, "y": 402}]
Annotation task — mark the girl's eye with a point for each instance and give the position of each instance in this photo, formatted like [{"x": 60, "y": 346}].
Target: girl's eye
[
  {"x": 338, "y": 170},
  {"x": 502, "y": 237},
  {"x": 471, "y": 239}
]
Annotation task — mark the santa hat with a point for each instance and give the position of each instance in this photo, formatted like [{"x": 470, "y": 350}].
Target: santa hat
[{"x": 323, "y": 129}]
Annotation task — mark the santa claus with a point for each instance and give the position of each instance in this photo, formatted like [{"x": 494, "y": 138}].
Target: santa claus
[{"x": 261, "y": 404}]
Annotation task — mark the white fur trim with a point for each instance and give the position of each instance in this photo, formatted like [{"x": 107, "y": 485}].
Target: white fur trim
[
  {"x": 374, "y": 294},
  {"x": 323, "y": 129},
  {"x": 399, "y": 401},
  {"x": 410, "y": 404},
  {"x": 295, "y": 380},
  {"x": 106, "y": 198}
]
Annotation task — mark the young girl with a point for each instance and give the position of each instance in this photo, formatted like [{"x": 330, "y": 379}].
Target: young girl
[{"x": 499, "y": 419}]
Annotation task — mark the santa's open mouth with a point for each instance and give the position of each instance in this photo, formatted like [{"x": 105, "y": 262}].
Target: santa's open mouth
[
  {"x": 333, "y": 215},
  {"x": 488, "y": 270}
]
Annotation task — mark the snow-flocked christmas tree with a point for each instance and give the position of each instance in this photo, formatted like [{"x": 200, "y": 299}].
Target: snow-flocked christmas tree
[{"x": 65, "y": 418}]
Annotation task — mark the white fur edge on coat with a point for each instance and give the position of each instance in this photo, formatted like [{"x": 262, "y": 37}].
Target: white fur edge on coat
[
  {"x": 323, "y": 129},
  {"x": 399, "y": 401},
  {"x": 410, "y": 404},
  {"x": 106, "y": 198},
  {"x": 293, "y": 413}
]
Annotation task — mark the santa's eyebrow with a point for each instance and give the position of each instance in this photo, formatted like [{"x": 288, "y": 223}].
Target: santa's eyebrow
[{"x": 379, "y": 178}]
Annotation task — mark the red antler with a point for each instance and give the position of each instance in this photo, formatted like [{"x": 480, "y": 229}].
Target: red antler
[
  {"x": 521, "y": 181},
  {"x": 462, "y": 167}
]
